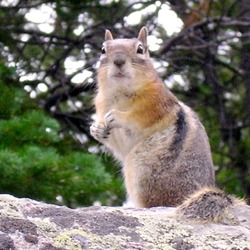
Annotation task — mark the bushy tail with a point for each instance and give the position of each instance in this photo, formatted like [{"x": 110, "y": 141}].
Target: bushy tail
[{"x": 210, "y": 205}]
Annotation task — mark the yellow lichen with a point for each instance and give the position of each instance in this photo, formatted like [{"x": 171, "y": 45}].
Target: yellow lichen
[
  {"x": 66, "y": 239},
  {"x": 45, "y": 226}
]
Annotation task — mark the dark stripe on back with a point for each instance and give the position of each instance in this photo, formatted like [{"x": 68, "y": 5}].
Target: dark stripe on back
[{"x": 180, "y": 132}]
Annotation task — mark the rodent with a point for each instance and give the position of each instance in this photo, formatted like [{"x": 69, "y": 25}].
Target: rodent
[{"x": 160, "y": 142}]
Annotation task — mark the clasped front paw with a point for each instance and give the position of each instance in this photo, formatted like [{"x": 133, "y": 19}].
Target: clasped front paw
[
  {"x": 110, "y": 119},
  {"x": 99, "y": 131}
]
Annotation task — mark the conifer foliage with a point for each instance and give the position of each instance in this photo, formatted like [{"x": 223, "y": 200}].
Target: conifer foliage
[
  {"x": 38, "y": 161},
  {"x": 48, "y": 58}
]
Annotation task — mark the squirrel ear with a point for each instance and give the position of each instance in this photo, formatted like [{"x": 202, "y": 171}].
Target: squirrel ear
[
  {"x": 108, "y": 35},
  {"x": 143, "y": 35}
]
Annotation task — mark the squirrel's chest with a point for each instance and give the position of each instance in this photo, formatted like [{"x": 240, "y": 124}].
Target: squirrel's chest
[{"x": 117, "y": 98}]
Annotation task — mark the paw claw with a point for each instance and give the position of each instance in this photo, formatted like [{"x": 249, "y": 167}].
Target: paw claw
[
  {"x": 99, "y": 131},
  {"x": 110, "y": 120}
]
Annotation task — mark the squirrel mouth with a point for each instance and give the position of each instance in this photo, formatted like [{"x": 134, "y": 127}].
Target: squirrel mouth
[{"x": 120, "y": 75}]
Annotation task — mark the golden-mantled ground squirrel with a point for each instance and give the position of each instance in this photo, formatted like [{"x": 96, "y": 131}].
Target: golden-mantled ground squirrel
[{"x": 160, "y": 142}]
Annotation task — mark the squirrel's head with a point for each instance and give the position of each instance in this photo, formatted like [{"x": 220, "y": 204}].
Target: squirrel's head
[{"x": 125, "y": 60}]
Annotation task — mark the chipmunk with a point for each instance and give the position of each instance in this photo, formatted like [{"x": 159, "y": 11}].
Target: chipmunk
[{"x": 161, "y": 144}]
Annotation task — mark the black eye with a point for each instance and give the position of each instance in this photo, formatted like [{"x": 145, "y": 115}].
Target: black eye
[
  {"x": 103, "y": 50},
  {"x": 139, "y": 49}
]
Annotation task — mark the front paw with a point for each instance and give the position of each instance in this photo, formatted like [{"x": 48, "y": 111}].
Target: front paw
[
  {"x": 99, "y": 131},
  {"x": 111, "y": 119}
]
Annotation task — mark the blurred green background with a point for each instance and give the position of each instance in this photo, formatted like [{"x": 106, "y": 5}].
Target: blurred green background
[{"x": 48, "y": 60}]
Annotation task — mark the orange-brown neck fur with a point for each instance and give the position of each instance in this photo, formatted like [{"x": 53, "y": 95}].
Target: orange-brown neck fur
[{"x": 152, "y": 103}]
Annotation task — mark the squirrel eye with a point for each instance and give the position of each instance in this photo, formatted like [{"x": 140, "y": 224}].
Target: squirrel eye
[
  {"x": 140, "y": 49},
  {"x": 103, "y": 50}
]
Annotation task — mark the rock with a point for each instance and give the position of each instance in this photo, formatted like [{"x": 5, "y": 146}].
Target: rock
[{"x": 27, "y": 224}]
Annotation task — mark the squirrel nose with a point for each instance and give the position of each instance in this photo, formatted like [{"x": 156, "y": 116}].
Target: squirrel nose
[{"x": 119, "y": 60}]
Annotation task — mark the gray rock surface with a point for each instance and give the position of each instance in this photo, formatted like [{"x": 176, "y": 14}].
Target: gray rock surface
[{"x": 26, "y": 225}]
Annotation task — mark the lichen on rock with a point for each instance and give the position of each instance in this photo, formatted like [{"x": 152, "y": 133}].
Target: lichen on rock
[{"x": 28, "y": 224}]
